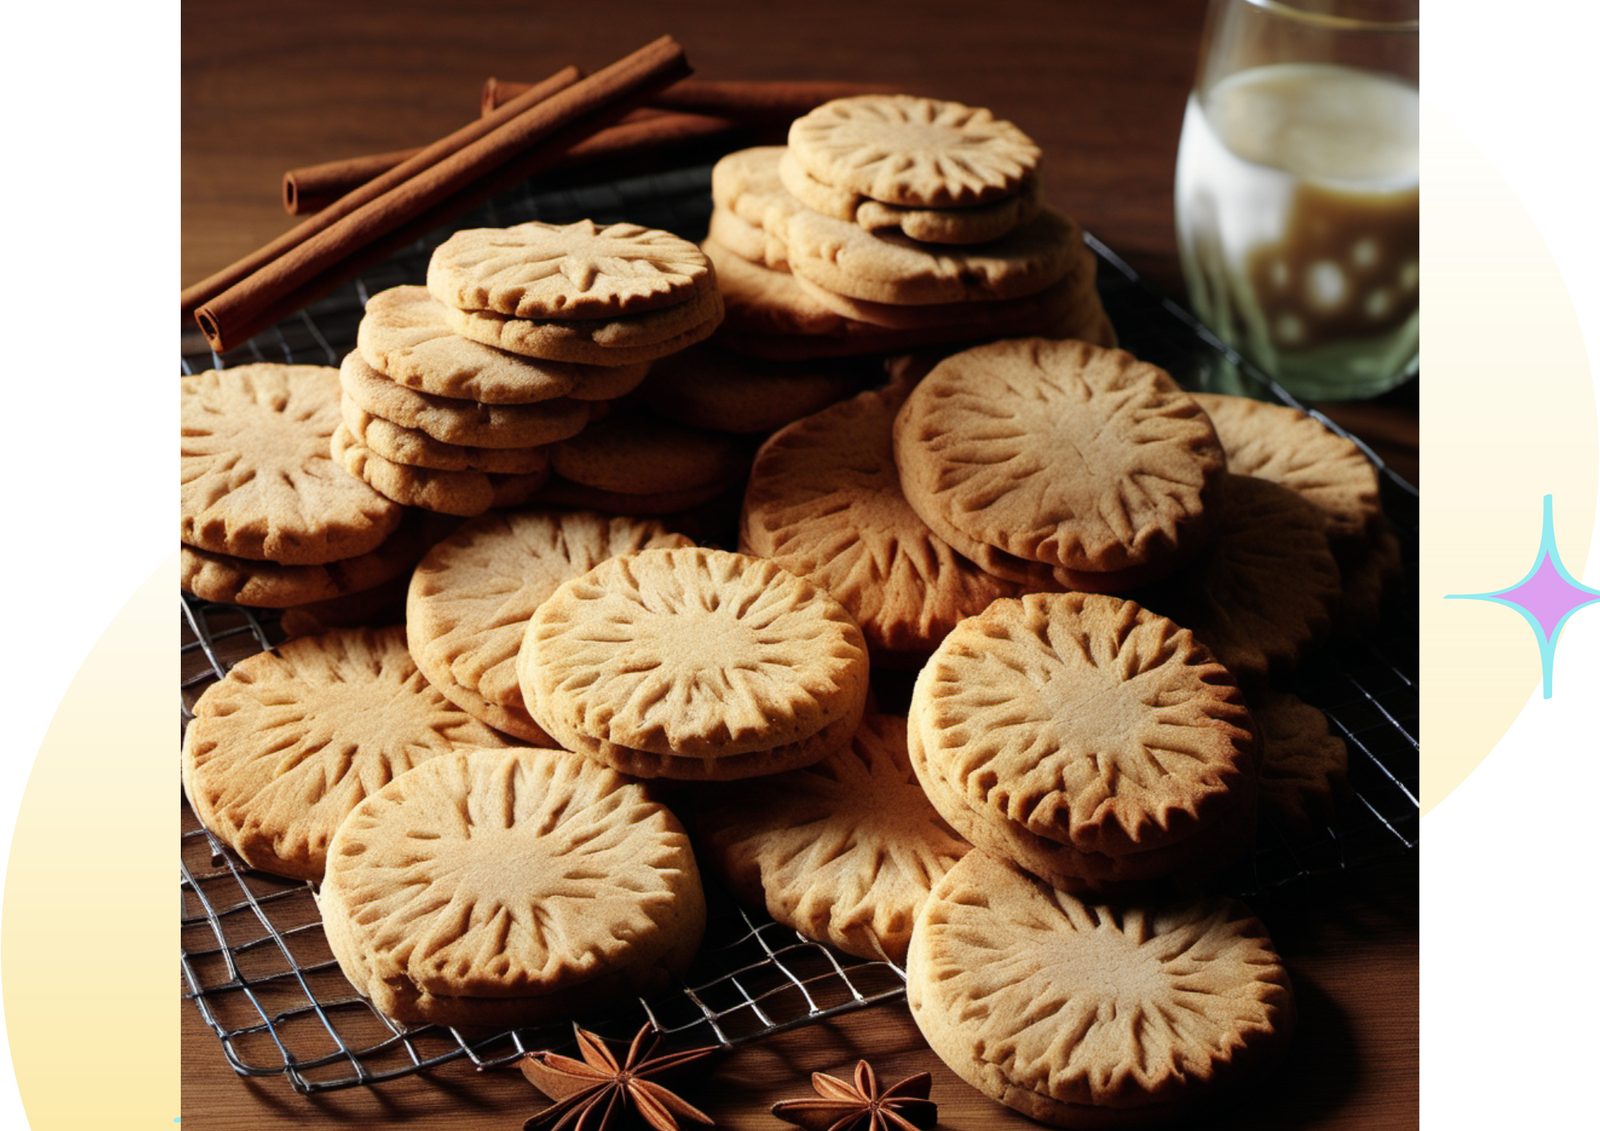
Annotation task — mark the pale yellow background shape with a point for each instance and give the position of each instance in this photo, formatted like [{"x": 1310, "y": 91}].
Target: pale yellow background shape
[
  {"x": 91, "y": 1008},
  {"x": 1508, "y": 417}
]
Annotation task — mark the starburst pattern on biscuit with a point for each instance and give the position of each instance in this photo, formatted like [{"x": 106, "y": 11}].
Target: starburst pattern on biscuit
[
  {"x": 845, "y": 850},
  {"x": 1086, "y": 719},
  {"x": 687, "y": 652},
  {"x": 546, "y": 867},
  {"x": 824, "y": 501},
  {"x": 258, "y": 479},
  {"x": 538, "y": 270},
  {"x": 1097, "y": 1004},
  {"x": 288, "y": 744},
  {"x": 1061, "y": 453},
  {"x": 913, "y": 151}
]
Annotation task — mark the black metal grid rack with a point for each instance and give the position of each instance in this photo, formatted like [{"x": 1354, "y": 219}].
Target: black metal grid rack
[{"x": 254, "y": 958}]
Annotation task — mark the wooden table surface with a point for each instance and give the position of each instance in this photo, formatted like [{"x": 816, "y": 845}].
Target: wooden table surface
[{"x": 1101, "y": 87}]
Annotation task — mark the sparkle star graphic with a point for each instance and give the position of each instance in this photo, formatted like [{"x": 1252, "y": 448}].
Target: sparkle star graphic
[{"x": 1546, "y": 598}]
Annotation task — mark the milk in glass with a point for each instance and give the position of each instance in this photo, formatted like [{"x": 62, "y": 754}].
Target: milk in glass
[{"x": 1297, "y": 200}]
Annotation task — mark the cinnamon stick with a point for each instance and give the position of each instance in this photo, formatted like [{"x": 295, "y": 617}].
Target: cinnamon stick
[
  {"x": 312, "y": 188},
  {"x": 755, "y": 102},
  {"x": 512, "y": 150},
  {"x": 642, "y": 133},
  {"x": 209, "y": 288}
]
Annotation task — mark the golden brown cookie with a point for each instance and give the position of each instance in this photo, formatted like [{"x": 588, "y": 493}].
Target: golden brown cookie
[
  {"x": 1093, "y": 1015},
  {"x": 844, "y": 851},
  {"x": 750, "y": 205},
  {"x": 1263, "y": 592},
  {"x": 258, "y": 481},
  {"x": 1287, "y": 446},
  {"x": 455, "y": 421},
  {"x": 244, "y": 581},
  {"x": 471, "y": 596},
  {"x": 404, "y": 336},
  {"x": 824, "y": 502},
  {"x": 915, "y": 152},
  {"x": 1193, "y": 863},
  {"x": 769, "y": 315},
  {"x": 418, "y": 449},
  {"x": 567, "y": 271},
  {"x": 284, "y": 746},
  {"x": 626, "y": 339},
  {"x": 694, "y": 663},
  {"x": 463, "y": 493},
  {"x": 977, "y": 223},
  {"x": 1073, "y": 294},
  {"x": 840, "y": 257},
  {"x": 489, "y": 886},
  {"x": 1032, "y": 454},
  {"x": 1088, "y": 720},
  {"x": 749, "y": 241}
]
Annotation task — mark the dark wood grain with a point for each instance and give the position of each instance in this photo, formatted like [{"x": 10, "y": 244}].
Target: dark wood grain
[{"x": 1101, "y": 86}]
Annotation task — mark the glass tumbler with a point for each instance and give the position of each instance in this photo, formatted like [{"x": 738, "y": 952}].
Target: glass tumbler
[{"x": 1297, "y": 190}]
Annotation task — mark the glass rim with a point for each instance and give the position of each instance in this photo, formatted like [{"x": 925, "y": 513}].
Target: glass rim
[{"x": 1337, "y": 23}]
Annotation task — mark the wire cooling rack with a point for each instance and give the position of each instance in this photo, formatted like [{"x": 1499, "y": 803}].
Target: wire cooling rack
[{"x": 255, "y": 961}]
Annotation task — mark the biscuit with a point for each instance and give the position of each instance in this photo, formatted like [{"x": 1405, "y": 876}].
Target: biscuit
[
  {"x": 1087, "y": 720},
  {"x": 914, "y": 152},
  {"x": 840, "y": 257},
  {"x": 463, "y": 493},
  {"x": 1073, "y": 294},
  {"x": 1263, "y": 592},
  {"x": 748, "y": 241},
  {"x": 452, "y": 420},
  {"x": 1189, "y": 864},
  {"x": 418, "y": 449},
  {"x": 746, "y": 187},
  {"x": 490, "y": 885},
  {"x": 844, "y": 851},
  {"x": 824, "y": 502},
  {"x": 1084, "y": 461},
  {"x": 470, "y": 598},
  {"x": 1092, "y": 1015},
  {"x": 404, "y": 336},
  {"x": 567, "y": 271},
  {"x": 1287, "y": 446},
  {"x": 284, "y": 746},
  {"x": 258, "y": 481},
  {"x": 626, "y": 339},
  {"x": 770, "y": 316},
  {"x": 244, "y": 581},
  {"x": 974, "y": 224},
  {"x": 694, "y": 663}
]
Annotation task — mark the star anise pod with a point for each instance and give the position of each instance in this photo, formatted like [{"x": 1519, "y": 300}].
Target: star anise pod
[
  {"x": 598, "y": 1093},
  {"x": 860, "y": 1106}
]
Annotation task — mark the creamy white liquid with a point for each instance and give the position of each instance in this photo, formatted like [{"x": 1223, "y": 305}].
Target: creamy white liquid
[{"x": 1297, "y": 200}]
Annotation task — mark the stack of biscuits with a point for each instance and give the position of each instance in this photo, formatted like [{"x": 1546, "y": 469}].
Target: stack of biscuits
[
  {"x": 1096, "y": 575},
  {"x": 889, "y": 222},
  {"x": 267, "y": 518},
  {"x": 459, "y": 394}
]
